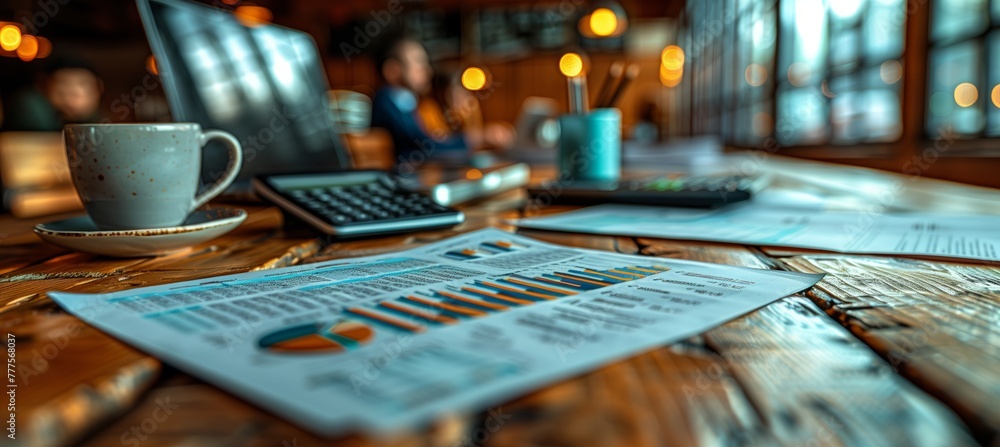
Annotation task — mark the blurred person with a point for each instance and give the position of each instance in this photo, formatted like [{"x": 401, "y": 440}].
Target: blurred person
[
  {"x": 74, "y": 90},
  {"x": 69, "y": 92},
  {"x": 453, "y": 109},
  {"x": 405, "y": 67}
]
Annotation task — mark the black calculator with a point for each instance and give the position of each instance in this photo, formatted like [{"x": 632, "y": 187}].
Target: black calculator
[
  {"x": 671, "y": 190},
  {"x": 354, "y": 203}
]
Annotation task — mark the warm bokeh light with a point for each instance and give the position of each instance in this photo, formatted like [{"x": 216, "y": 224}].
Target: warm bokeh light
[
  {"x": 151, "y": 65},
  {"x": 250, "y": 15},
  {"x": 671, "y": 66},
  {"x": 666, "y": 73},
  {"x": 10, "y": 37},
  {"x": 799, "y": 74},
  {"x": 755, "y": 74},
  {"x": 672, "y": 57},
  {"x": 966, "y": 94},
  {"x": 995, "y": 96},
  {"x": 571, "y": 65},
  {"x": 473, "y": 174},
  {"x": 44, "y": 47},
  {"x": 891, "y": 71},
  {"x": 603, "y": 22},
  {"x": 28, "y": 48},
  {"x": 474, "y": 78},
  {"x": 670, "y": 82},
  {"x": 670, "y": 78}
]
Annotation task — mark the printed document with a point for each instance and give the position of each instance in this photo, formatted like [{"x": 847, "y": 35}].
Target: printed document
[
  {"x": 952, "y": 236},
  {"x": 389, "y": 341}
]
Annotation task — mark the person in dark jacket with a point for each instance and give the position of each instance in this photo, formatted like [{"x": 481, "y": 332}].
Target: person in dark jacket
[{"x": 405, "y": 68}]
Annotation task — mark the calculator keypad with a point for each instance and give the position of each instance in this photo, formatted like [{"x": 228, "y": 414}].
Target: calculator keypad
[
  {"x": 693, "y": 184},
  {"x": 684, "y": 191},
  {"x": 358, "y": 204}
]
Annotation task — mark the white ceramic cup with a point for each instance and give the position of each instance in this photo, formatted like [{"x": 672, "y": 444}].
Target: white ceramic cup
[{"x": 132, "y": 176}]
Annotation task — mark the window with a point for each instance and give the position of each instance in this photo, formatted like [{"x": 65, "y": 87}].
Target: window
[
  {"x": 833, "y": 67},
  {"x": 841, "y": 71},
  {"x": 731, "y": 48},
  {"x": 963, "y": 79}
]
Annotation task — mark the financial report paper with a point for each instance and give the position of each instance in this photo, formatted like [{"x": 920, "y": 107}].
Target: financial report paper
[
  {"x": 386, "y": 342},
  {"x": 952, "y": 236}
]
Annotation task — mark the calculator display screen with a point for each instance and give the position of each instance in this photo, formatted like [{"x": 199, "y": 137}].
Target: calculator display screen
[{"x": 310, "y": 181}]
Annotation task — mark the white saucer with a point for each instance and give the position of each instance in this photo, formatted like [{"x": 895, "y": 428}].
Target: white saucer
[{"x": 80, "y": 233}]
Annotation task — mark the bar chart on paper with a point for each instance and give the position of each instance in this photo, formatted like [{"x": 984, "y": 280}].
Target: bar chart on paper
[
  {"x": 393, "y": 295},
  {"x": 421, "y": 309},
  {"x": 484, "y": 249}
]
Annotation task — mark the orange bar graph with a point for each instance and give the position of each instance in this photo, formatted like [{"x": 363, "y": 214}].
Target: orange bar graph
[
  {"x": 539, "y": 286},
  {"x": 473, "y": 302},
  {"x": 562, "y": 284},
  {"x": 621, "y": 272},
  {"x": 387, "y": 320},
  {"x": 498, "y": 297},
  {"x": 582, "y": 279},
  {"x": 526, "y": 292},
  {"x": 416, "y": 313},
  {"x": 445, "y": 306},
  {"x": 606, "y": 275}
]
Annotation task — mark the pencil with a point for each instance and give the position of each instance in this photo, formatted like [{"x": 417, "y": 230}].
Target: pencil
[
  {"x": 610, "y": 83},
  {"x": 630, "y": 74}
]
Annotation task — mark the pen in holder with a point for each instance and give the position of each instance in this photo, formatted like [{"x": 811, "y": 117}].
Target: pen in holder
[{"x": 590, "y": 145}]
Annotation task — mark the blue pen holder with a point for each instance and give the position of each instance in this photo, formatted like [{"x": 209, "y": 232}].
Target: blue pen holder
[{"x": 590, "y": 146}]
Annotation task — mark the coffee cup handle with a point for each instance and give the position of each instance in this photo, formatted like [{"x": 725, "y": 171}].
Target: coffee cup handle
[{"x": 232, "y": 168}]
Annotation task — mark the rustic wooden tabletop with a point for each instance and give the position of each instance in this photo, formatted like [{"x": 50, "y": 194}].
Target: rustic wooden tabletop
[{"x": 884, "y": 351}]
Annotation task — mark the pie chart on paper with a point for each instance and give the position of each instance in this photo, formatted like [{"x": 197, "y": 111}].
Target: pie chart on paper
[{"x": 314, "y": 338}]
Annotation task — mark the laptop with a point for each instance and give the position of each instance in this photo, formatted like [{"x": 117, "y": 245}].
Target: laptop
[{"x": 265, "y": 84}]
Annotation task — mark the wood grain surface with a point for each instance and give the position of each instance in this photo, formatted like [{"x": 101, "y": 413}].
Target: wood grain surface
[
  {"x": 937, "y": 323},
  {"x": 837, "y": 368}
]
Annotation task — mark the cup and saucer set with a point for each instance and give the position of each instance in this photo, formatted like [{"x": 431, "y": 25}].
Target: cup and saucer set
[{"x": 139, "y": 185}]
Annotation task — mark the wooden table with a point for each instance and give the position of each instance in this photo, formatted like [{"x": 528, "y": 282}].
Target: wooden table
[{"x": 883, "y": 351}]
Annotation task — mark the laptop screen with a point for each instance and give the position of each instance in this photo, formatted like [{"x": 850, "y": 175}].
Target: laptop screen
[{"x": 264, "y": 84}]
